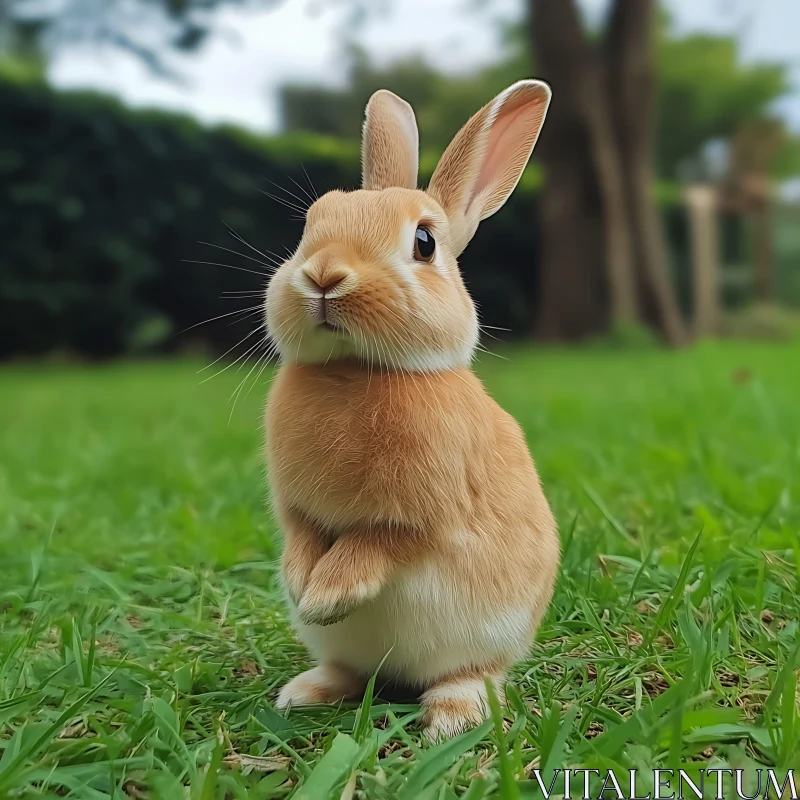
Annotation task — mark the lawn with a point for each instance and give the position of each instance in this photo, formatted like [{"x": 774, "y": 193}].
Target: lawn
[{"x": 143, "y": 637}]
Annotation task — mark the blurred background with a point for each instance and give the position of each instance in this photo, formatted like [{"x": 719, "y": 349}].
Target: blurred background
[{"x": 156, "y": 157}]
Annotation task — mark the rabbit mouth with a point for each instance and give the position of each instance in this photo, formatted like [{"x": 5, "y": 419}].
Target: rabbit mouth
[{"x": 321, "y": 311}]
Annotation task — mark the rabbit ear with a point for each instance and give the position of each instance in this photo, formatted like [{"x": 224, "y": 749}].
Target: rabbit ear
[
  {"x": 485, "y": 160},
  {"x": 390, "y": 143}
]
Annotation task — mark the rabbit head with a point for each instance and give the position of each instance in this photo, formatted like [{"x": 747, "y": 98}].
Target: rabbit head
[{"x": 375, "y": 276}]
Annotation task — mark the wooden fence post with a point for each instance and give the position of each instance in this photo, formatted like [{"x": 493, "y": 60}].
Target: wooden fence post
[{"x": 701, "y": 206}]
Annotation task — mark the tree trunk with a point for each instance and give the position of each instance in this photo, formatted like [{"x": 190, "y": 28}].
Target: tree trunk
[
  {"x": 618, "y": 239},
  {"x": 578, "y": 133},
  {"x": 572, "y": 287},
  {"x": 573, "y": 293},
  {"x": 607, "y": 93},
  {"x": 629, "y": 52}
]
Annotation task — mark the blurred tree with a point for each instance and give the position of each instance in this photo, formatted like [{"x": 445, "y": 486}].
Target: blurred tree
[
  {"x": 705, "y": 93},
  {"x": 787, "y": 161},
  {"x": 442, "y": 103},
  {"x": 601, "y": 228},
  {"x": 21, "y": 46},
  {"x": 146, "y": 29},
  {"x": 755, "y": 148},
  {"x": 149, "y": 30},
  {"x": 633, "y": 102},
  {"x": 628, "y": 101},
  {"x": 340, "y": 112}
]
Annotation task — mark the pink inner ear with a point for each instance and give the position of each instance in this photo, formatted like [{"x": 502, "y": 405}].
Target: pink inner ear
[{"x": 510, "y": 140}]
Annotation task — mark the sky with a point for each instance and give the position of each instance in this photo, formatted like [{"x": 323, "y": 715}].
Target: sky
[{"x": 235, "y": 77}]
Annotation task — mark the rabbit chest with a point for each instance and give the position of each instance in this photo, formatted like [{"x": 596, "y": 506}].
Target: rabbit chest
[{"x": 349, "y": 447}]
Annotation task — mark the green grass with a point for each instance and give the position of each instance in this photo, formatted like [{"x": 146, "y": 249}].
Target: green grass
[{"x": 143, "y": 637}]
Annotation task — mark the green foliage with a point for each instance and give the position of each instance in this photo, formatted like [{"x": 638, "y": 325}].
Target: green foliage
[
  {"x": 442, "y": 103},
  {"x": 148, "y": 30},
  {"x": 103, "y": 206},
  {"x": 21, "y": 71},
  {"x": 787, "y": 162},
  {"x": 143, "y": 636},
  {"x": 705, "y": 92}
]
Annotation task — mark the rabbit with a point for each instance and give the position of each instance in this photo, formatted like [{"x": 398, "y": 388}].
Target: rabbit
[{"x": 417, "y": 535}]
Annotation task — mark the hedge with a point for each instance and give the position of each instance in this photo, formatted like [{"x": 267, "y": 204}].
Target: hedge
[{"x": 103, "y": 208}]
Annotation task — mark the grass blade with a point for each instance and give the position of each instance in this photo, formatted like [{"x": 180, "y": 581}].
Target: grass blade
[
  {"x": 333, "y": 769},
  {"x": 11, "y": 770},
  {"x": 437, "y": 760},
  {"x": 508, "y": 787},
  {"x": 665, "y": 612}
]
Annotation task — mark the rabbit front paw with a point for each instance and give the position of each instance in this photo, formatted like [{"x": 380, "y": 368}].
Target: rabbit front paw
[
  {"x": 294, "y": 583},
  {"x": 326, "y": 605}
]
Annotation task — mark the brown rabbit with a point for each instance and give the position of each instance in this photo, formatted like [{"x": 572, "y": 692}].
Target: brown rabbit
[{"x": 414, "y": 520}]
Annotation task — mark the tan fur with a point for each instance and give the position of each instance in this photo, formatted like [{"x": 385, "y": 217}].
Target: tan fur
[
  {"x": 456, "y": 702},
  {"x": 390, "y": 146},
  {"x": 414, "y": 520}
]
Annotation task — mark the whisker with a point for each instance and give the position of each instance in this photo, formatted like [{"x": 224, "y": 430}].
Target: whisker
[
  {"x": 284, "y": 202},
  {"x": 301, "y": 188},
  {"x": 268, "y": 263},
  {"x": 496, "y": 338},
  {"x": 237, "y": 392},
  {"x": 478, "y": 345},
  {"x": 291, "y": 194},
  {"x": 229, "y": 266},
  {"x": 228, "y": 366},
  {"x": 265, "y": 358},
  {"x": 221, "y": 316},
  {"x": 333, "y": 347},
  {"x": 235, "y": 395},
  {"x": 247, "y": 313},
  {"x": 244, "y": 241},
  {"x": 315, "y": 192},
  {"x": 264, "y": 364},
  {"x": 262, "y": 325}
]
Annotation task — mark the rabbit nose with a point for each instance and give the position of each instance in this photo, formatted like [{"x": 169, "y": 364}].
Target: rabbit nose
[{"x": 326, "y": 282}]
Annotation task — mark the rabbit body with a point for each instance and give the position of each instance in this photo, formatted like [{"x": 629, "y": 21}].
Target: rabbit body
[
  {"x": 415, "y": 526},
  {"x": 432, "y": 457}
]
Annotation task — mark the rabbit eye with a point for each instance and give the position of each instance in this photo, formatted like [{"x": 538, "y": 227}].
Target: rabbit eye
[{"x": 424, "y": 245}]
